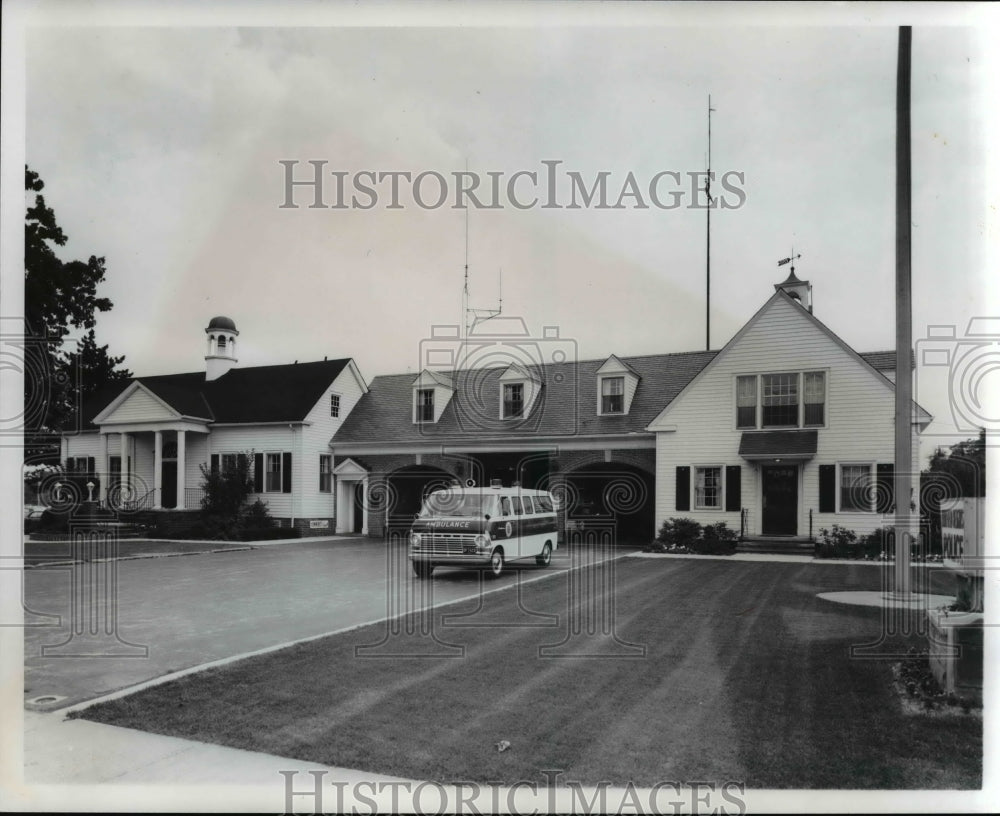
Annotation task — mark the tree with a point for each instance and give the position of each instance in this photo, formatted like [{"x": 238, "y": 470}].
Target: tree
[
  {"x": 59, "y": 296},
  {"x": 961, "y": 471},
  {"x": 953, "y": 474}
]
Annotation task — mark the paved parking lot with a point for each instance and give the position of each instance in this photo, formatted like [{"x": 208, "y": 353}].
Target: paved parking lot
[{"x": 169, "y": 614}]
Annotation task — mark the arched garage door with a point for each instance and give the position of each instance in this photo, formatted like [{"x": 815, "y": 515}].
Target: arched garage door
[
  {"x": 610, "y": 491},
  {"x": 407, "y": 488}
]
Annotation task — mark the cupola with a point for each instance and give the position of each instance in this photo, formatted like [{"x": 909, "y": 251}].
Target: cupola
[
  {"x": 221, "y": 352},
  {"x": 798, "y": 290}
]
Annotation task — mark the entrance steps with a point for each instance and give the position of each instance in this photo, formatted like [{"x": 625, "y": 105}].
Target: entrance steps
[{"x": 778, "y": 545}]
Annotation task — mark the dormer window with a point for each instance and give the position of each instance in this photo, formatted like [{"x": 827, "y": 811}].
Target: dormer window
[
  {"x": 613, "y": 395},
  {"x": 513, "y": 400},
  {"x": 432, "y": 390},
  {"x": 425, "y": 405},
  {"x": 616, "y": 385}
]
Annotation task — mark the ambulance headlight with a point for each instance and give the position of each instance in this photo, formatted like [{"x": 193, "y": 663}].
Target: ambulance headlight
[{"x": 482, "y": 541}]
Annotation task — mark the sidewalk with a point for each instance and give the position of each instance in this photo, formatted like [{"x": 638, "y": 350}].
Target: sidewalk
[{"x": 61, "y": 751}]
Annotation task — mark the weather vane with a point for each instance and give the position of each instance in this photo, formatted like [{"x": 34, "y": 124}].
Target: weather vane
[{"x": 790, "y": 259}]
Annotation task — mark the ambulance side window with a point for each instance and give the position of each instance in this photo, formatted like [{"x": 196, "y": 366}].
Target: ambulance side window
[
  {"x": 516, "y": 501},
  {"x": 544, "y": 504},
  {"x": 528, "y": 506},
  {"x": 504, "y": 506}
]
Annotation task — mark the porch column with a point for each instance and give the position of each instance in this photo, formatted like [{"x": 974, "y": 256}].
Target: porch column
[
  {"x": 364, "y": 506},
  {"x": 123, "y": 452},
  {"x": 157, "y": 469},
  {"x": 105, "y": 472},
  {"x": 180, "y": 469}
]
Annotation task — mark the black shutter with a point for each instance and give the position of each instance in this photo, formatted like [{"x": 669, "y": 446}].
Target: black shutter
[
  {"x": 90, "y": 465},
  {"x": 258, "y": 473},
  {"x": 733, "y": 499},
  {"x": 884, "y": 488},
  {"x": 827, "y": 488},
  {"x": 215, "y": 463},
  {"x": 682, "y": 497},
  {"x": 286, "y": 472}
]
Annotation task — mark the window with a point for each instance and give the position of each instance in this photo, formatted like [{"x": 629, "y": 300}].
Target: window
[
  {"x": 513, "y": 400},
  {"x": 855, "y": 488},
  {"x": 613, "y": 395},
  {"x": 504, "y": 506},
  {"x": 425, "y": 405},
  {"x": 325, "y": 473},
  {"x": 335, "y": 405},
  {"x": 229, "y": 462},
  {"x": 76, "y": 464},
  {"x": 516, "y": 502},
  {"x": 780, "y": 400},
  {"x": 746, "y": 402},
  {"x": 544, "y": 504},
  {"x": 272, "y": 473},
  {"x": 222, "y": 345},
  {"x": 708, "y": 488},
  {"x": 813, "y": 397},
  {"x": 528, "y": 506}
]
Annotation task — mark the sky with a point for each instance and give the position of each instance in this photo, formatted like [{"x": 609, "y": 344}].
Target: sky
[{"x": 159, "y": 138}]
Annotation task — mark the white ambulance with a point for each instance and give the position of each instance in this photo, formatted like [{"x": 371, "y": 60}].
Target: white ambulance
[{"x": 470, "y": 526}]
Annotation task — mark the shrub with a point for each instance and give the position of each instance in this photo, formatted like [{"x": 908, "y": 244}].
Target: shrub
[
  {"x": 838, "y": 542},
  {"x": 258, "y": 517},
  {"x": 716, "y": 539},
  {"x": 677, "y": 533},
  {"x": 225, "y": 514}
]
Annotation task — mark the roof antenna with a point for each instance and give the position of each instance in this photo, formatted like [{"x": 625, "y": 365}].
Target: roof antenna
[
  {"x": 472, "y": 317},
  {"x": 708, "y": 235}
]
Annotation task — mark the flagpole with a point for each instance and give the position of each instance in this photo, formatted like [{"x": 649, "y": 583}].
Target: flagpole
[{"x": 904, "y": 330}]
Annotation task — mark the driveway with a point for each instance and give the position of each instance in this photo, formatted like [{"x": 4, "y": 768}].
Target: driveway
[{"x": 169, "y": 614}]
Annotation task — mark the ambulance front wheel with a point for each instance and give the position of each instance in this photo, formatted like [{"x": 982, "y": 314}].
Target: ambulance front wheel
[
  {"x": 422, "y": 569},
  {"x": 496, "y": 563}
]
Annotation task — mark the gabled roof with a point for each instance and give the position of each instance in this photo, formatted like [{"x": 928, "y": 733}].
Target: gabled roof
[
  {"x": 614, "y": 358},
  {"x": 781, "y": 295},
  {"x": 278, "y": 393},
  {"x": 884, "y": 360},
  {"x": 434, "y": 376},
  {"x": 565, "y": 406}
]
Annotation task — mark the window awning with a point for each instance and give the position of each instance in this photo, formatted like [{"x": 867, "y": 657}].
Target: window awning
[{"x": 763, "y": 445}]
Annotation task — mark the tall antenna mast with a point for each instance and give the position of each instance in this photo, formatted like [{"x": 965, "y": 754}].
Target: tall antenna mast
[
  {"x": 470, "y": 316},
  {"x": 708, "y": 235}
]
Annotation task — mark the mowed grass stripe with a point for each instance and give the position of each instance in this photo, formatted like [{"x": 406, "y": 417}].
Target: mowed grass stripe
[{"x": 746, "y": 677}]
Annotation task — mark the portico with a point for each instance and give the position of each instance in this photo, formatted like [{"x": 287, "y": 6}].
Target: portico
[
  {"x": 152, "y": 442},
  {"x": 352, "y": 497}
]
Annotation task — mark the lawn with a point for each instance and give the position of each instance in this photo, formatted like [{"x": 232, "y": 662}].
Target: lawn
[{"x": 746, "y": 676}]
